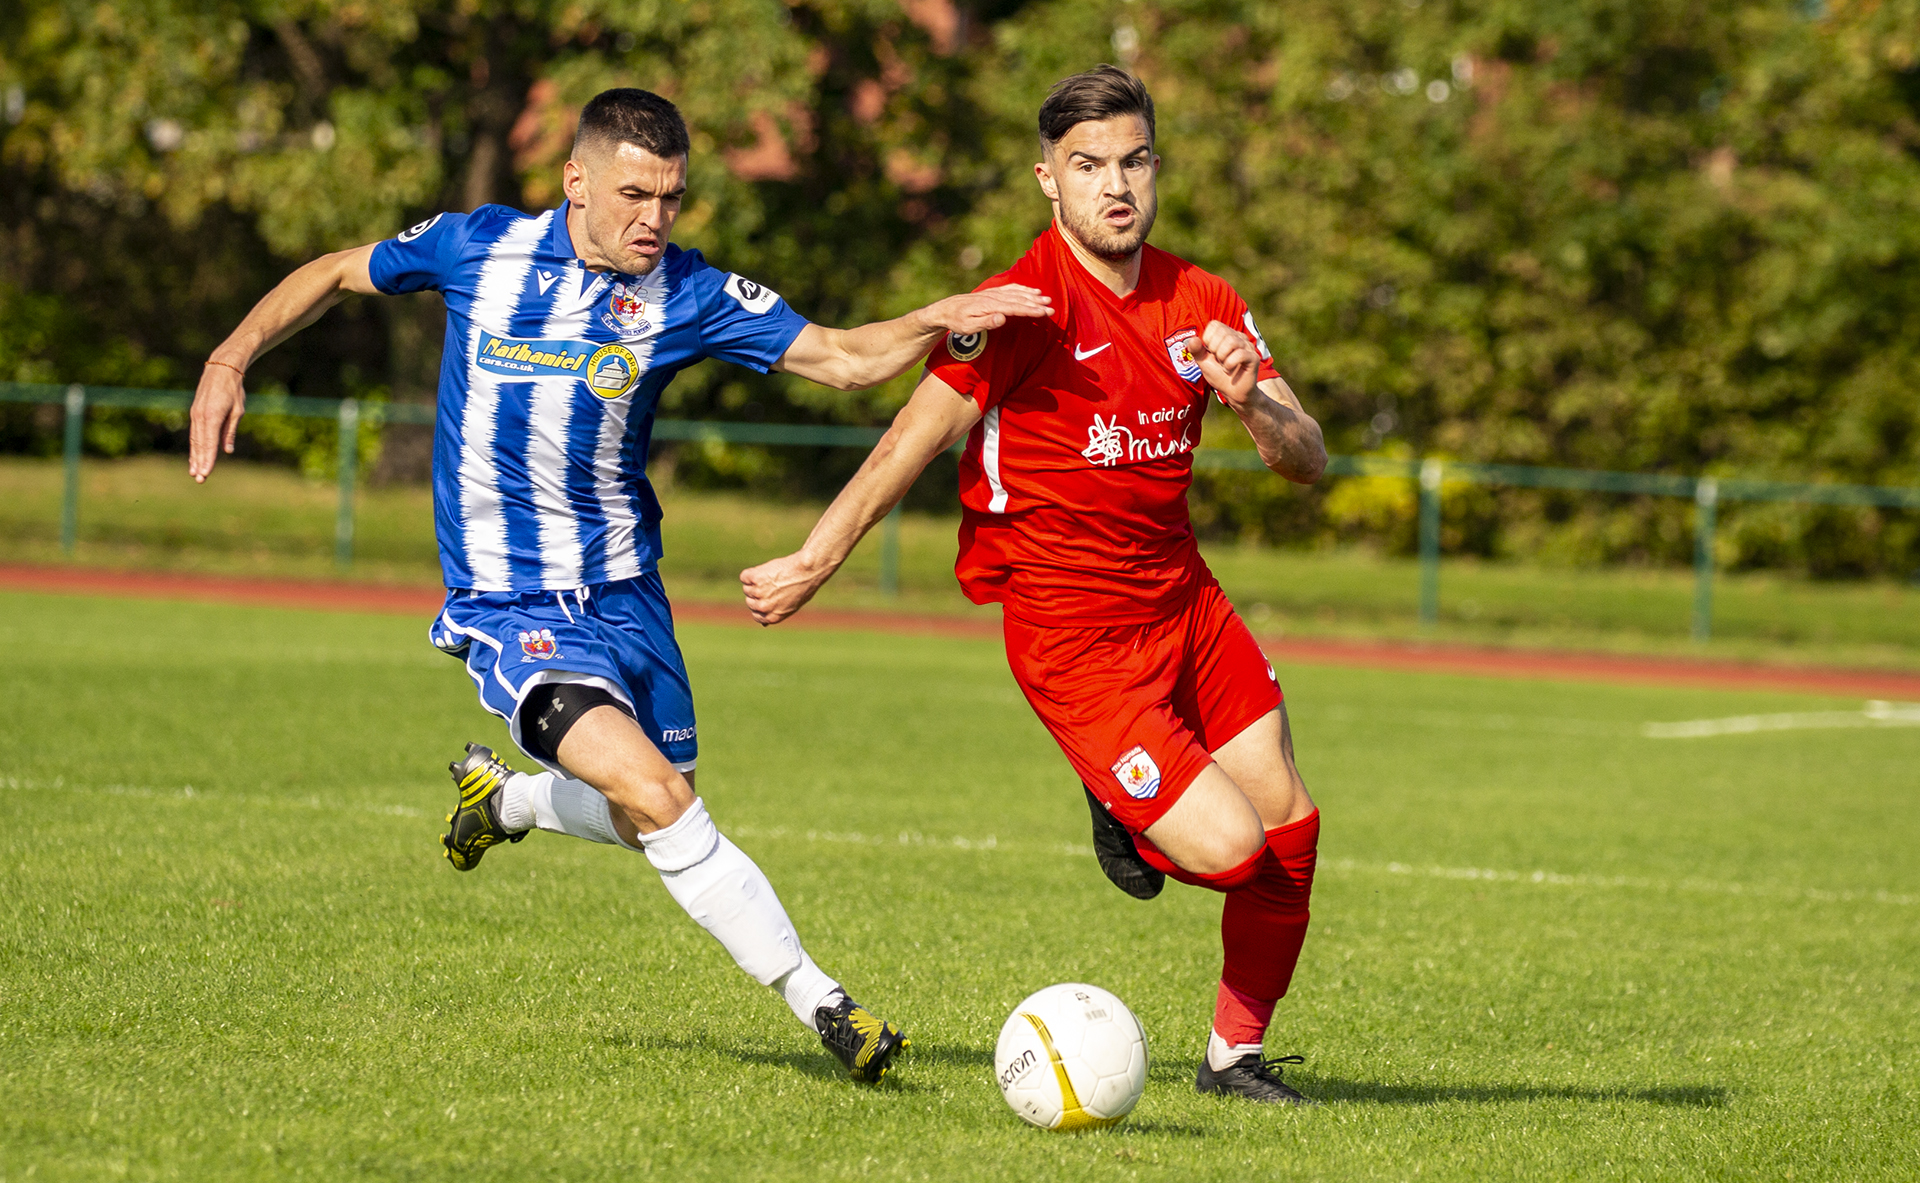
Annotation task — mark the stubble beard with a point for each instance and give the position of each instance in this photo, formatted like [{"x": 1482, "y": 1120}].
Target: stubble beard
[
  {"x": 1115, "y": 246},
  {"x": 641, "y": 265}
]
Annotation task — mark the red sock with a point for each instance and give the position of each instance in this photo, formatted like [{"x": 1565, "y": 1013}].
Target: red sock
[
  {"x": 1239, "y": 1018},
  {"x": 1262, "y": 928}
]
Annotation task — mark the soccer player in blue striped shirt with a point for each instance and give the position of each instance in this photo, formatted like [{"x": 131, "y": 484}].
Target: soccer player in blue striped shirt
[{"x": 562, "y": 330}]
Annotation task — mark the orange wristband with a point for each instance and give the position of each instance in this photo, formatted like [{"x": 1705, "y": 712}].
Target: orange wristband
[{"x": 227, "y": 365}]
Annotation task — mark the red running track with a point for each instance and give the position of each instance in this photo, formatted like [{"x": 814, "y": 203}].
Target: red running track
[{"x": 342, "y": 596}]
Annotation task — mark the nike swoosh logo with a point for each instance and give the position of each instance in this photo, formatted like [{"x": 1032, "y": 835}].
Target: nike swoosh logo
[
  {"x": 1079, "y": 356},
  {"x": 546, "y": 281}
]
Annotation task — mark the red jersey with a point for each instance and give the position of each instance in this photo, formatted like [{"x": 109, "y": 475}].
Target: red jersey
[{"x": 1074, "y": 483}]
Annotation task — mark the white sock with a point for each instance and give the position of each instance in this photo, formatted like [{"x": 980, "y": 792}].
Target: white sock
[
  {"x": 729, "y": 896},
  {"x": 516, "y": 803},
  {"x": 807, "y": 989},
  {"x": 1221, "y": 1054},
  {"x": 559, "y": 805}
]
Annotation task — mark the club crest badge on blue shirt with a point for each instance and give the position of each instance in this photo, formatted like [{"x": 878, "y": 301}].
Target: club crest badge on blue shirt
[{"x": 626, "y": 312}]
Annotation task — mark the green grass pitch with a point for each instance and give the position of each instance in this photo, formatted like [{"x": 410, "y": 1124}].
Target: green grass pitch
[{"x": 1544, "y": 946}]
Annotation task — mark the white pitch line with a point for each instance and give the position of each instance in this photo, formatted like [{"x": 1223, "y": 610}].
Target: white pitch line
[
  {"x": 1874, "y": 714},
  {"x": 1306, "y": 715},
  {"x": 1557, "y": 879},
  {"x": 907, "y": 838},
  {"x": 991, "y": 844},
  {"x": 1528, "y": 878}
]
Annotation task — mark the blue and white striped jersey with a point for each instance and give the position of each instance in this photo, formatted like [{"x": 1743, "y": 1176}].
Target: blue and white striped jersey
[{"x": 548, "y": 385}]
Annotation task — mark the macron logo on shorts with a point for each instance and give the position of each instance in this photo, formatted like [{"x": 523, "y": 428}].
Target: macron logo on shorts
[{"x": 1137, "y": 773}]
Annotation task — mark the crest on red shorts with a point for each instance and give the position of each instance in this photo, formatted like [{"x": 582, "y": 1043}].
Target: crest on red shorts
[
  {"x": 539, "y": 644},
  {"x": 1137, "y": 773}
]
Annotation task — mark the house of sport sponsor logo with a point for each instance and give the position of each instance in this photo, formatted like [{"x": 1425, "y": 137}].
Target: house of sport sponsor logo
[
  {"x": 1110, "y": 442},
  {"x": 612, "y": 371},
  {"x": 609, "y": 370},
  {"x": 539, "y": 644},
  {"x": 1137, "y": 773}
]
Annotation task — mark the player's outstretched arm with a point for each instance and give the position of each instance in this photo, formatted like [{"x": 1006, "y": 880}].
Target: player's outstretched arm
[
  {"x": 929, "y": 424},
  {"x": 854, "y": 359},
  {"x": 1289, "y": 440},
  {"x": 296, "y": 302}
]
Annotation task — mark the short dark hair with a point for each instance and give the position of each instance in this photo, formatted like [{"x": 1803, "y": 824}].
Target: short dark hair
[
  {"x": 628, "y": 115},
  {"x": 1100, "y": 93}
]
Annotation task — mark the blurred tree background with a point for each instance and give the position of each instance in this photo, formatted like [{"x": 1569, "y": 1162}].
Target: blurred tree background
[{"x": 1658, "y": 235}]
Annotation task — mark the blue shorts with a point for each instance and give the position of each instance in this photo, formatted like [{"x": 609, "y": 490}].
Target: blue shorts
[{"x": 617, "y": 636}]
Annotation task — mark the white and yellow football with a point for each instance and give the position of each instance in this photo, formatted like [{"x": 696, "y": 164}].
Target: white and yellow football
[{"x": 1071, "y": 1057}]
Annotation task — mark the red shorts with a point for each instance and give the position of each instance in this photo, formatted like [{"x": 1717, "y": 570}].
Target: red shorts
[{"x": 1138, "y": 708}]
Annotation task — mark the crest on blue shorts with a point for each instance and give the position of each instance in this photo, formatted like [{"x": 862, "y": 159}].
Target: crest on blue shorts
[{"x": 539, "y": 644}]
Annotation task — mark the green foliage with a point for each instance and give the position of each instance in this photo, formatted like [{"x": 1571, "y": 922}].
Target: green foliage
[
  {"x": 1673, "y": 236},
  {"x": 1374, "y": 507},
  {"x": 42, "y": 339},
  {"x": 311, "y": 445},
  {"x": 1663, "y": 235}
]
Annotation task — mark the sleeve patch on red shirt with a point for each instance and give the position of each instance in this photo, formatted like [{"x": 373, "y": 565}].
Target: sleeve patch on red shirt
[{"x": 967, "y": 346}]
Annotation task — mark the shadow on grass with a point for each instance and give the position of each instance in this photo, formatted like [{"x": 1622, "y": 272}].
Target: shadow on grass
[
  {"x": 1325, "y": 1088},
  {"x": 1135, "y": 1127},
  {"x": 1368, "y": 1092},
  {"x": 815, "y": 1061},
  {"x": 818, "y": 1064},
  {"x": 952, "y": 1055}
]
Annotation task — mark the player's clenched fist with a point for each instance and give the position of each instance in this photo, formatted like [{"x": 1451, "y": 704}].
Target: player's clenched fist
[
  {"x": 778, "y": 588},
  {"x": 989, "y": 309},
  {"x": 1228, "y": 360}
]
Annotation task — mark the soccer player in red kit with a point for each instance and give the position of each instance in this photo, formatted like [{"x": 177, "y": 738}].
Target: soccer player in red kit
[{"x": 1080, "y": 430}]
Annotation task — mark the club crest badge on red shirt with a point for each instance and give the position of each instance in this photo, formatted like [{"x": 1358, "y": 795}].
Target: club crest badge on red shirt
[
  {"x": 1137, "y": 773},
  {"x": 1182, "y": 356}
]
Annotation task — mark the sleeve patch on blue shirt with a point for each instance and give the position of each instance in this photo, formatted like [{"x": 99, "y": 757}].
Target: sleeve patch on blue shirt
[
  {"x": 416, "y": 231},
  {"x": 750, "y": 295}
]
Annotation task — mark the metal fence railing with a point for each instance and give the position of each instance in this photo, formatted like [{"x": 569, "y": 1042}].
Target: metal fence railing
[{"x": 1706, "y": 492}]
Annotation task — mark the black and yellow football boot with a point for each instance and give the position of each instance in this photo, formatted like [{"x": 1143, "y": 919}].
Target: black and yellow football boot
[
  {"x": 474, "y": 824},
  {"x": 860, "y": 1039}
]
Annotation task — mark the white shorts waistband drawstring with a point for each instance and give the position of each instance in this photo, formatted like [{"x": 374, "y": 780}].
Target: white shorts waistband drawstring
[{"x": 580, "y": 597}]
